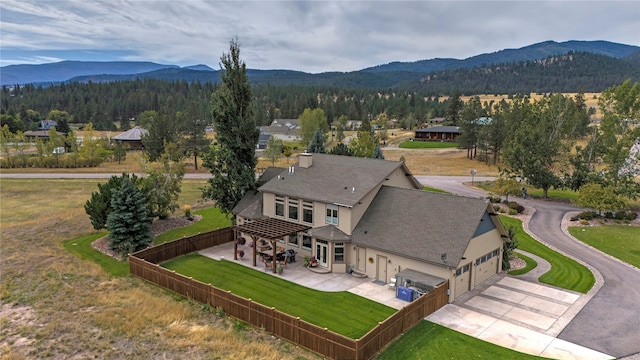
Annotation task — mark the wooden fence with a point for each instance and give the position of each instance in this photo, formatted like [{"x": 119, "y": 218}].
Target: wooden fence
[{"x": 145, "y": 264}]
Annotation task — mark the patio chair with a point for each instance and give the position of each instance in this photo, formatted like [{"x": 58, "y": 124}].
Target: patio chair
[
  {"x": 268, "y": 265},
  {"x": 282, "y": 261},
  {"x": 392, "y": 284}
]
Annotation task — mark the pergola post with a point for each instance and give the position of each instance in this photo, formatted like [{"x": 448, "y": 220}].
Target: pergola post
[
  {"x": 255, "y": 248},
  {"x": 235, "y": 244},
  {"x": 273, "y": 259}
]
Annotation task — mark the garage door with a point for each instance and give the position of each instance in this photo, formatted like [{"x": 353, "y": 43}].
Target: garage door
[
  {"x": 463, "y": 279},
  {"x": 486, "y": 266}
]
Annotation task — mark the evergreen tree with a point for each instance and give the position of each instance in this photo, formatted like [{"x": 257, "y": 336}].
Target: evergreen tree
[
  {"x": 99, "y": 206},
  {"x": 341, "y": 149},
  {"x": 233, "y": 160},
  {"x": 128, "y": 222},
  {"x": 377, "y": 153},
  {"x": 455, "y": 108},
  {"x": 316, "y": 145}
]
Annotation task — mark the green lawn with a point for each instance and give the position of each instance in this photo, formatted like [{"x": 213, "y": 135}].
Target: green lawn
[
  {"x": 212, "y": 219},
  {"x": 432, "y": 341},
  {"x": 426, "y": 145},
  {"x": 622, "y": 242},
  {"x": 342, "y": 312},
  {"x": 565, "y": 272},
  {"x": 531, "y": 264},
  {"x": 428, "y": 188},
  {"x": 82, "y": 248}
]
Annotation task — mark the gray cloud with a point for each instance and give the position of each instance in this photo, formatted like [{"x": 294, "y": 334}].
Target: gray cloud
[{"x": 312, "y": 36}]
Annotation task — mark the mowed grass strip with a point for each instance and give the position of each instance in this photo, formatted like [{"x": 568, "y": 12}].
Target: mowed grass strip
[
  {"x": 428, "y": 340},
  {"x": 212, "y": 219},
  {"x": 426, "y": 145},
  {"x": 531, "y": 264},
  {"x": 565, "y": 273},
  {"x": 621, "y": 242},
  {"x": 341, "y": 312},
  {"x": 81, "y": 247}
]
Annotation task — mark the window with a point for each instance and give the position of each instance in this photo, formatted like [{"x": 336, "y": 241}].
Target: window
[
  {"x": 293, "y": 240},
  {"x": 462, "y": 270},
  {"x": 338, "y": 253},
  {"x": 279, "y": 206},
  {"x": 293, "y": 209},
  {"x": 307, "y": 212},
  {"x": 281, "y": 240},
  {"x": 306, "y": 242},
  {"x": 332, "y": 214}
]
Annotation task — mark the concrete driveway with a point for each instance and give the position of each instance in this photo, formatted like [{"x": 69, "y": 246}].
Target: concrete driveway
[
  {"x": 610, "y": 321},
  {"x": 520, "y": 315}
]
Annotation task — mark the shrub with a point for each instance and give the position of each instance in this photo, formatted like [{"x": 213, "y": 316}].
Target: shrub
[
  {"x": 512, "y": 211},
  {"x": 609, "y": 215},
  {"x": 220, "y": 312},
  {"x": 501, "y": 210},
  {"x": 574, "y": 218},
  {"x": 513, "y": 205},
  {"x": 494, "y": 199},
  {"x": 584, "y": 222},
  {"x": 631, "y": 216},
  {"x": 587, "y": 215},
  {"x": 496, "y": 207}
]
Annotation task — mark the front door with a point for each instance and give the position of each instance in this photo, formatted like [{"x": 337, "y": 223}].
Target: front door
[
  {"x": 360, "y": 260},
  {"x": 322, "y": 253},
  {"x": 381, "y": 269}
]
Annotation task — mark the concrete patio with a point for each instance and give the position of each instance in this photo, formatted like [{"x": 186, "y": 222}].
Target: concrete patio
[{"x": 296, "y": 272}]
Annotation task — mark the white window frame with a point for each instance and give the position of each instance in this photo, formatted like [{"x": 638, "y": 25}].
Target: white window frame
[
  {"x": 333, "y": 217},
  {"x": 337, "y": 246},
  {"x": 279, "y": 201}
]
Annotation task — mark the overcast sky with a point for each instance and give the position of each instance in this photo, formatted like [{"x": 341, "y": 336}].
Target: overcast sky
[{"x": 311, "y": 36}]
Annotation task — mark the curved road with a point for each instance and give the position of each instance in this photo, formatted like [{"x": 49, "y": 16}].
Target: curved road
[{"x": 610, "y": 322}]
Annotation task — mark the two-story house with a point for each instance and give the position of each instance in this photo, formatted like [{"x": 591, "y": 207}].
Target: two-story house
[{"x": 371, "y": 217}]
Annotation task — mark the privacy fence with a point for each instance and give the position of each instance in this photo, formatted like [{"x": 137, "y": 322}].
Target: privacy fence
[{"x": 145, "y": 264}]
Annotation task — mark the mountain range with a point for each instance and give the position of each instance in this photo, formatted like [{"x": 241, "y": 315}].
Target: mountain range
[{"x": 623, "y": 60}]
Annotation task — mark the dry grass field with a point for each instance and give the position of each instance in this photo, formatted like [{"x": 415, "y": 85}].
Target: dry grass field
[{"x": 55, "y": 305}]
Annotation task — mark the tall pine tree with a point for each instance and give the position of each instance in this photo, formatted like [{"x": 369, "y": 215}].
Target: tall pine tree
[{"x": 232, "y": 160}]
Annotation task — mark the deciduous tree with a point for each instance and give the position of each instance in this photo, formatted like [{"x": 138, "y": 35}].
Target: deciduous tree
[
  {"x": 597, "y": 197},
  {"x": 274, "y": 150},
  {"x": 310, "y": 121}
]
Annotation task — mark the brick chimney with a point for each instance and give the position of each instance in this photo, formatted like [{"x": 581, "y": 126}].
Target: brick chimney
[{"x": 305, "y": 160}]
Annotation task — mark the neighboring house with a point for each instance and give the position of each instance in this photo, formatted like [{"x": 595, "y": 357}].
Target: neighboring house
[
  {"x": 283, "y": 133},
  {"x": 371, "y": 217},
  {"x": 290, "y": 123},
  {"x": 436, "y": 120},
  {"x": 263, "y": 141},
  {"x": 438, "y": 133},
  {"x": 132, "y": 137},
  {"x": 47, "y": 124},
  {"x": 39, "y": 134}
]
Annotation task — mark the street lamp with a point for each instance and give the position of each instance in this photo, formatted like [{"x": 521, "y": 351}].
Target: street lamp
[{"x": 473, "y": 174}]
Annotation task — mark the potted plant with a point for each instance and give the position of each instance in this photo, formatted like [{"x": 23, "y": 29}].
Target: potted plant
[
  {"x": 240, "y": 253},
  {"x": 250, "y": 244},
  {"x": 280, "y": 269},
  {"x": 313, "y": 262},
  {"x": 240, "y": 240}
]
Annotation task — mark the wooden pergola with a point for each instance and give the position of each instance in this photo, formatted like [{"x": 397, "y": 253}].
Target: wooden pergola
[{"x": 270, "y": 229}]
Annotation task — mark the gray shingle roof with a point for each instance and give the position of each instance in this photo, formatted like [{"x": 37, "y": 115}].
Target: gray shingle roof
[
  {"x": 329, "y": 233},
  {"x": 132, "y": 134},
  {"x": 331, "y": 179},
  {"x": 440, "y": 129},
  {"x": 420, "y": 224},
  {"x": 250, "y": 206}
]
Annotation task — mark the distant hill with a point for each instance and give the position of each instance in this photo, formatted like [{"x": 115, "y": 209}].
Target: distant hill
[
  {"x": 65, "y": 70},
  {"x": 393, "y": 75}
]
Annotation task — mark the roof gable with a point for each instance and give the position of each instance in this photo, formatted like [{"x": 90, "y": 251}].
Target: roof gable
[
  {"x": 334, "y": 179},
  {"x": 420, "y": 224},
  {"x": 134, "y": 134}
]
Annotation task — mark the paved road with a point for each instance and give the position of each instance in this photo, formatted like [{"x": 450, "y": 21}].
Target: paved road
[{"x": 610, "y": 322}]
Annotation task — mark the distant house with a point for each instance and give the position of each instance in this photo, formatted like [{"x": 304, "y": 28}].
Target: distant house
[
  {"x": 39, "y": 134},
  {"x": 132, "y": 137},
  {"x": 436, "y": 120},
  {"x": 263, "y": 141},
  {"x": 281, "y": 132},
  {"x": 47, "y": 124},
  {"x": 370, "y": 217},
  {"x": 438, "y": 133}
]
